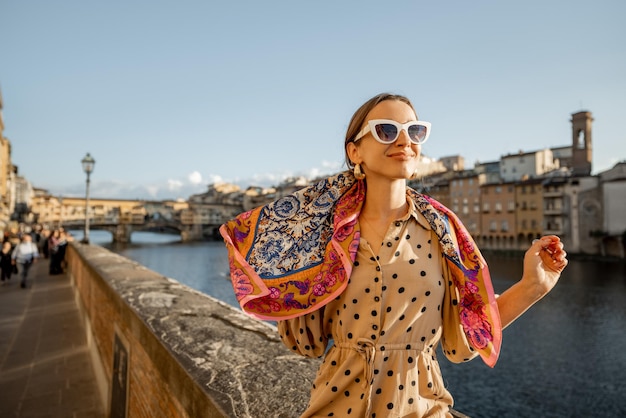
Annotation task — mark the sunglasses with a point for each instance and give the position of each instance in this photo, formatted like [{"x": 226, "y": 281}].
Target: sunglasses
[{"x": 387, "y": 131}]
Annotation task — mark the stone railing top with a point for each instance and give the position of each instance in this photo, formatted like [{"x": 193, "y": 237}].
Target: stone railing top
[{"x": 238, "y": 361}]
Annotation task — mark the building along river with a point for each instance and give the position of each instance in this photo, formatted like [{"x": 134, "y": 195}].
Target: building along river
[{"x": 566, "y": 357}]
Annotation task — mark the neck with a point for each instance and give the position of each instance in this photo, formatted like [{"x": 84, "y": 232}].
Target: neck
[{"x": 384, "y": 199}]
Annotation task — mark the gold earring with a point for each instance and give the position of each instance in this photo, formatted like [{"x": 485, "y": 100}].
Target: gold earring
[{"x": 358, "y": 174}]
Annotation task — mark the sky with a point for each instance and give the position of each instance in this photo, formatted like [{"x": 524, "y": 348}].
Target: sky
[{"x": 172, "y": 96}]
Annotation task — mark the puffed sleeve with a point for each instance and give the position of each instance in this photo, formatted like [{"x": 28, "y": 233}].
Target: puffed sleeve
[
  {"x": 453, "y": 342},
  {"x": 305, "y": 334}
]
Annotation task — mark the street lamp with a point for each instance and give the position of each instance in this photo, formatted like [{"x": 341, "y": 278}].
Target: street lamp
[{"x": 88, "y": 164}]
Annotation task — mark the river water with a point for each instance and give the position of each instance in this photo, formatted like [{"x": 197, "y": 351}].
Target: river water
[{"x": 565, "y": 357}]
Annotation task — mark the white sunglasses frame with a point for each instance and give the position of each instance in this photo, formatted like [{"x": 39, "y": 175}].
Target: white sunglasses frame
[{"x": 371, "y": 125}]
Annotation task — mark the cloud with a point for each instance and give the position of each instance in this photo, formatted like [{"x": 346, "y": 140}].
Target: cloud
[
  {"x": 170, "y": 189},
  {"x": 191, "y": 184},
  {"x": 195, "y": 177},
  {"x": 275, "y": 178},
  {"x": 215, "y": 179},
  {"x": 152, "y": 190},
  {"x": 327, "y": 168},
  {"x": 109, "y": 189},
  {"x": 335, "y": 166},
  {"x": 174, "y": 185}
]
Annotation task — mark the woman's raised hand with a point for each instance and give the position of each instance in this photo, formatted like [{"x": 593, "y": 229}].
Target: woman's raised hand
[{"x": 543, "y": 263}]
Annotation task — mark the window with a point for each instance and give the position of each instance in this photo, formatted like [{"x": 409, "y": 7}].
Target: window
[
  {"x": 486, "y": 207},
  {"x": 580, "y": 142},
  {"x": 493, "y": 226},
  {"x": 505, "y": 226},
  {"x": 498, "y": 207}
]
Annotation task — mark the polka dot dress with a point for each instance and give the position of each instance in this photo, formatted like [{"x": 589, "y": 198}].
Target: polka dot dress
[{"x": 384, "y": 329}]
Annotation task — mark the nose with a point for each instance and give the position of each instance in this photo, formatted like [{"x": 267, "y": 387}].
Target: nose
[{"x": 403, "y": 139}]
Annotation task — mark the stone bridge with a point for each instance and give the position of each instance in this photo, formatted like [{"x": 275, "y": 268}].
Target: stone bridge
[
  {"x": 122, "y": 231},
  {"x": 199, "y": 220}
]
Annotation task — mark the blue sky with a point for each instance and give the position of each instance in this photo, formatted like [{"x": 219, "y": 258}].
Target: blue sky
[{"x": 171, "y": 96}]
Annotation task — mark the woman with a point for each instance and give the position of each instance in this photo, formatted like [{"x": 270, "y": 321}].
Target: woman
[
  {"x": 6, "y": 263},
  {"x": 380, "y": 273},
  {"x": 54, "y": 267}
]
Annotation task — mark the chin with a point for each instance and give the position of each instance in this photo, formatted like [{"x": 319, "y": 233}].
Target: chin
[
  {"x": 409, "y": 174},
  {"x": 403, "y": 176}
]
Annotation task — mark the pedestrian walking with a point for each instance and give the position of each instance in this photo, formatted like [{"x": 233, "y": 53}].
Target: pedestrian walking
[
  {"x": 53, "y": 251},
  {"x": 24, "y": 255},
  {"x": 6, "y": 262},
  {"x": 43, "y": 243},
  {"x": 59, "y": 255}
]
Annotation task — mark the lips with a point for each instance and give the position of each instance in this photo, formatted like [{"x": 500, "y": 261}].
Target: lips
[{"x": 401, "y": 156}]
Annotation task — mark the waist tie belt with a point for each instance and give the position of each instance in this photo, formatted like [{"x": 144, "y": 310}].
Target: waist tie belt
[{"x": 368, "y": 349}]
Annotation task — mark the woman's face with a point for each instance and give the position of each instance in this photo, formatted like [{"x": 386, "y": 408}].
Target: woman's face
[{"x": 397, "y": 160}]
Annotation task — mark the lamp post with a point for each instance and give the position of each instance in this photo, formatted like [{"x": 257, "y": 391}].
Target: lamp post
[{"x": 88, "y": 164}]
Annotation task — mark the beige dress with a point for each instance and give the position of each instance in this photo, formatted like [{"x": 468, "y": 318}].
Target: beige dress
[{"x": 384, "y": 329}]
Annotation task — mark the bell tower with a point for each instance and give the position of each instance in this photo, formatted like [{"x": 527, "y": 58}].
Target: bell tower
[{"x": 581, "y": 143}]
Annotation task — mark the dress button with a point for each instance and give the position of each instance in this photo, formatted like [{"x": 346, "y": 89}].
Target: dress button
[
  {"x": 388, "y": 244},
  {"x": 398, "y": 223},
  {"x": 374, "y": 327},
  {"x": 376, "y": 298}
]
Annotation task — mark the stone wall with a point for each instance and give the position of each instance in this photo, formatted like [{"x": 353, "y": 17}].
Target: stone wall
[{"x": 189, "y": 355}]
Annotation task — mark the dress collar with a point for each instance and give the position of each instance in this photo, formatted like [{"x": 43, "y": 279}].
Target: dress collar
[{"x": 414, "y": 213}]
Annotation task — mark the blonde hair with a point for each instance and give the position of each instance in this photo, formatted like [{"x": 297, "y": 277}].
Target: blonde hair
[{"x": 359, "y": 117}]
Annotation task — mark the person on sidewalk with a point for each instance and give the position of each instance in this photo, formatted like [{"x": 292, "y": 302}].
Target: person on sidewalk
[
  {"x": 61, "y": 249},
  {"x": 6, "y": 262},
  {"x": 24, "y": 255},
  {"x": 53, "y": 250}
]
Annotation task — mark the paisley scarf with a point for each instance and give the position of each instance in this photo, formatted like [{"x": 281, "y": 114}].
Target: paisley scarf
[{"x": 294, "y": 255}]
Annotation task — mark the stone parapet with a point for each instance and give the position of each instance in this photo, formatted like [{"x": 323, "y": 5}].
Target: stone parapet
[{"x": 186, "y": 354}]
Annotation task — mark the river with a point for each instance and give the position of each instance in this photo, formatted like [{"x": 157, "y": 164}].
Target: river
[{"x": 565, "y": 357}]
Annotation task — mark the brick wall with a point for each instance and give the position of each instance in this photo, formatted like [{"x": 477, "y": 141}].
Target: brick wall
[{"x": 189, "y": 355}]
